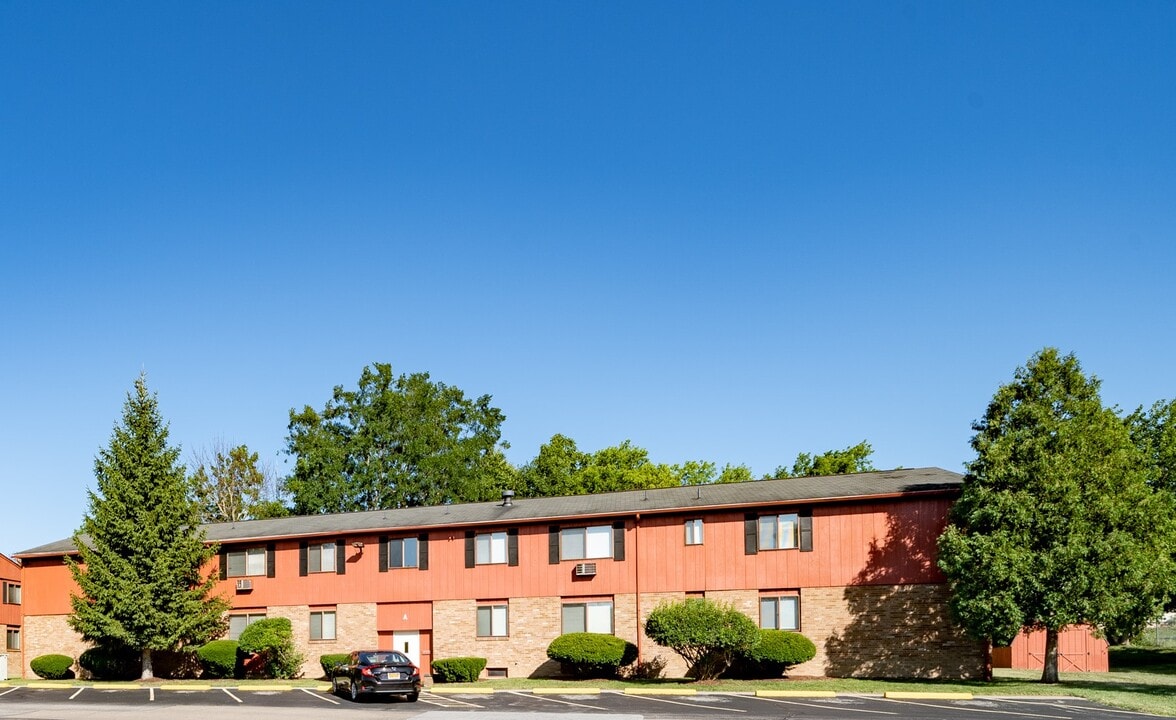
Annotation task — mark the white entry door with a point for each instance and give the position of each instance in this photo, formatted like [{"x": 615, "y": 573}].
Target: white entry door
[{"x": 409, "y": 643}]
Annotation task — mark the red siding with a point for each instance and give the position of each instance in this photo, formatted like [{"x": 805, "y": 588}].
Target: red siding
[{"x": 1078, "y": 651}]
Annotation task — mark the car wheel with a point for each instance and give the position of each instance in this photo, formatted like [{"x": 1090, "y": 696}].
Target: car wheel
[
  {"x": 412, "y": 696},
  {"x": 335, "y": 686},
  {"x": 354, "y": 691}
]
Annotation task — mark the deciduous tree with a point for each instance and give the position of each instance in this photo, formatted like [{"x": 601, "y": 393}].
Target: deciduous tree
[
  {"x": 1056, "y": 524},
  {"x": 230, "y": 485},
  {"x": 853, "y": 459},
  {"x": 141, "y": 550}
]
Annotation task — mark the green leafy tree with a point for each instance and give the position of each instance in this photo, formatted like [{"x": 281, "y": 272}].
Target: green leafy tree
[
  {"x": 229, "y": 485},
  {"x": 706, "y": 634},
  {"x": 394, "y": 441},
  {"x": 1154, "y": 433},
  {"x": 853, "y": 459},
  {"x": 141, "y": 550},
  {"x": 734, "y": 474},
  {"x": 1056, "y": 524},
  {"x": 553, "y": 471}
]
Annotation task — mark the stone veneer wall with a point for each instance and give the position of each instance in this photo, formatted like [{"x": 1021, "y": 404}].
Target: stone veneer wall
[
  {"x": 355, "y": 629},
  {"x": 532, "y": 623},
  {"x": 15, "y": 657},
  {"x": 46, "y": 634}
]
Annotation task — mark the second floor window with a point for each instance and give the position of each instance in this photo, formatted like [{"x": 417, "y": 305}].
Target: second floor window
[
  {"x": 490, "y": 548},
  {"x": 242, "y": 563},
  {"x": 11, "y": 593},
  {"x": 586, "y": 543},
  {"x": 402, "y": 552},
  {"x": 778, "y": 532},
  {"x": 321, "y": 558},
  {"x": 694, "y": 531}
]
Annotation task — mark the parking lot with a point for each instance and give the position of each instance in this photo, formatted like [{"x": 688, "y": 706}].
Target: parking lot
[{"x": 67, "y": 703}]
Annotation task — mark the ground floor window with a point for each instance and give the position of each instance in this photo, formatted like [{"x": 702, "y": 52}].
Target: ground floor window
[
  {"x": 322, "y": 625},
  {"x": 492, "y": 621},
  {"x": 240, "y": 621},
  {"x": 593, "y": 617},
  {"x": 781, "y": 612},
  {"x": 12, "y": 639}
]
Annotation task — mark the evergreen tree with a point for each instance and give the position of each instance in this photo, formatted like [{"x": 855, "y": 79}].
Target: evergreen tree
[
  {"x": 1056, "y": 524},
  {"x": 141, "y": 547}
]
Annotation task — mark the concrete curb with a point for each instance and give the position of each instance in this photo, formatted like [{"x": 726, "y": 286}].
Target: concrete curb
[
  {"x": 926, "y": 696},
  {"x": 461, "y": 691},
  {"x": 660, "y": 691},
  {"x": 264, "y": 688},
  {"x": 795, "y": 693},
  {"x": 51, "y": 685},
  {"x": 565, "y": 691},
  {"x": 182, "y": 686}
]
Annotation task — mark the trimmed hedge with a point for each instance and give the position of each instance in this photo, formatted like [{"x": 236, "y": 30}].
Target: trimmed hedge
[
  {"x": 273, "y": 639},
  {"x": 330, "y": 660},
  {"x": 773, "y": 654},
  {"x": 218, "y": 659},
  {"x": 53, "y": 667},
  {"x": 458, "y": 669},
  {"x": 591, "y": 655},
  {"x": 105, "y": 663}
]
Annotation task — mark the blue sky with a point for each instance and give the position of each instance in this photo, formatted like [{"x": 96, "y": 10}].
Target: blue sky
[{"x": 725, "y": 231}]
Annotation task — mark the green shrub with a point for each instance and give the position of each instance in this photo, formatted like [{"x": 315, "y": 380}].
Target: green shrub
[
  {"x": 773, "y": 654},
  {"x": 591, "y": 655},
  {"x": 459, "y": 669},
  {"x": 218, "y": 659},
  {"x": 273, "y": 640},
  {"x": 52, "y": 667},
  {"x": 111, "y": 663},
  {"x": 330, "y": 660},
  {"x": 708, "y": 635}
]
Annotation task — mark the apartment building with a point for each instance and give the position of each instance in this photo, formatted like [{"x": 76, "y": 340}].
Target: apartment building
[
  {"x": 848, "y": 560},
  {"x": 11, "y": 657}
]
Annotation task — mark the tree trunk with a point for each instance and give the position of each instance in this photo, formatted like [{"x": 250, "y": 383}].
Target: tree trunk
[
  {"x": 1049, "y": 673},
  {"x": 148, "y": 672}
]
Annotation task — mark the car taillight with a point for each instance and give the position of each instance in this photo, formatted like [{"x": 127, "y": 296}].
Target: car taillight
[{"x": 367, "y": 671}]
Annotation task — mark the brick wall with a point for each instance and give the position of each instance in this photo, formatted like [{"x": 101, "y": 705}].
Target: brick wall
[
  {"x": 355, "y": 629},
  {"x": 15, "y": 657},
  {"x": 532, "y": 623},
  {"x": 46, "y": 634}
]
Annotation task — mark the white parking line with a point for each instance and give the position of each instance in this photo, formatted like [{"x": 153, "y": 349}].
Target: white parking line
[
  {"x": 226, "y": 692},
  {"x": 320, "y": 697},
  {"x": 79, "y": 692},
  {"x": 823, "y": 707},
  {"x": 1060, "y": 705},
  {"x": 964, "y": 708},
  {"x": 696, "y": 706},
  {"x": 440, "y": 701},
  {"x": 2, "y": 694},
  {"x": 152, "y": 699},
  {"x": 551, "y": 699}
]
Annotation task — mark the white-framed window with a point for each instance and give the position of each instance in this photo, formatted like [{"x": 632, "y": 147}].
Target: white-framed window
[
  {"x": 242, "y": 563},
  {"x": 779, "y": 532},
  {"x": 781, "y": 612},
  {"x": 321, "y": 558},
  {"x": 322, "y": 625},
  {"x": 490, "y": 549},
  {"x": 403, "y": 552},
  {"x": 12, "y": 639},
  {"x": 238, "y": 622},
  {"x": 492, "y": 621},
  {"x": 594, "y": 617},
  {"x": 11, "y": 593},
  {"x": 694, "y": 531},
  {"x": 586, "y": 543}
]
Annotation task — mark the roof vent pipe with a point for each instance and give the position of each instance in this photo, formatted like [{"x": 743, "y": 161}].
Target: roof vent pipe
[{"x": 508, "y": 498}]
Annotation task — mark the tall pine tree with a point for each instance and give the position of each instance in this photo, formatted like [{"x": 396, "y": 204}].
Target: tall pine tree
[{"x": 141, "y": 547}]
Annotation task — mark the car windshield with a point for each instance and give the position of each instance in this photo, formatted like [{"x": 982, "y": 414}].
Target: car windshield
[{"x": 382, "y": 658}]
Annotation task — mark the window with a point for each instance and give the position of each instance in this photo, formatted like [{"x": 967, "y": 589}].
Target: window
[
  {"x": 237, "y": 623},
  {"x": 402, "y": 553},
  {"x": 12, "y": 639},
  {"x": 593, "y": 617},
  {"x": 322, "y": 625},
  {"x": 11, "y": 593},
  {"x": 694, "y": 531},
  {"x": 780, "y": 613},
  {"x": 492, "y": 621},
  {"x": 490, "y": 548},
  {"x": 778, "y": 532},
  {"x": 586, "y": 543},
  {"x": 321, "y": 558},
  {"x": 246, "y": 562}
]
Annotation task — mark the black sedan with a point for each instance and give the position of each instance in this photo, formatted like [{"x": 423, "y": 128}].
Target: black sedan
[{"x": 377, "y": 672}]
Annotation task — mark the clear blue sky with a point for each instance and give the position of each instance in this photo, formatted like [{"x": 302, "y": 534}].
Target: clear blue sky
[{"x": 725, "y": 231}]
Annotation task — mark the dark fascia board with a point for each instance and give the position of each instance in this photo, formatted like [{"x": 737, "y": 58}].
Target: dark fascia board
[{"x": 860, "y": 487}]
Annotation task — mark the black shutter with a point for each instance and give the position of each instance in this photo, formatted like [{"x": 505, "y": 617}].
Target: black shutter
[
  {"x": 341, "y": 556},
  {"x": 512, "y": 546},
  {"x": 302, "y": 559},
  {"x": 224, "y": 563},
  {"x": 806, "y": 530},
  {"x": 423, "y": 551},
  {"x": 271, "y": 552},
  {"x": 618, "y": 541},
  {"x": 553, "y": 545},
  {"x": 469, "y": 548},
  {"x": 750, "y": 534},
  {"x": 383, "y": 553}
]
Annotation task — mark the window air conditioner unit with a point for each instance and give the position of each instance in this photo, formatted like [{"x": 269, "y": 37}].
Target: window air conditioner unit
[
  {"x": 244, "y": 585},
  {"x": 585, "y": 569}
]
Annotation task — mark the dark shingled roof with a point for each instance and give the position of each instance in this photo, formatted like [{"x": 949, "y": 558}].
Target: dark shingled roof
[{"x": 529, "y": 510}]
